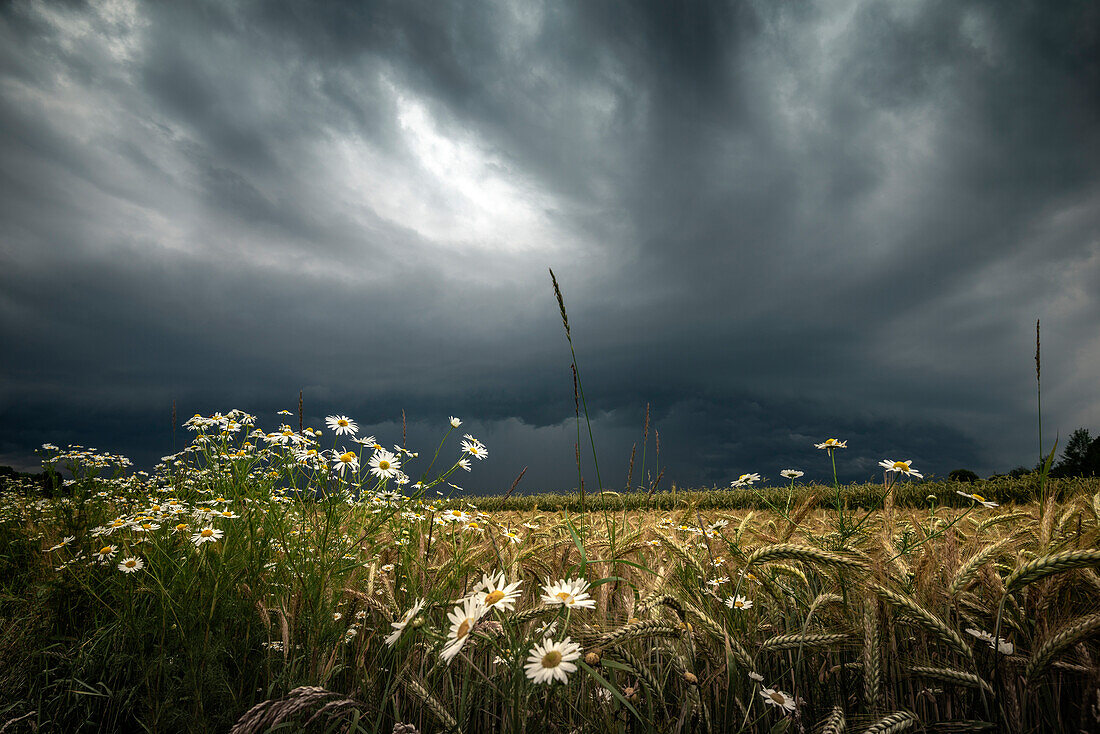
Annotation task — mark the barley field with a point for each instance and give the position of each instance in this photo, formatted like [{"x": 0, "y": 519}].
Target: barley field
[{"x": 301, "y": 580}]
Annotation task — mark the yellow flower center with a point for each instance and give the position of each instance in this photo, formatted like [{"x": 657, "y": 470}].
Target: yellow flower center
[
  {"x": 901, "y": 465},
  {"x": 778, "y": 697},
  {"x": 342, "y": 423},
  {"x": 206, "y": 532},
  {"x": 104, "y": 550},
  {"x": 347, "y": 457},
  {"x": 739, "y": 604},
  {"x": 565, "y": 596},
  {"x": 978, "y": 497},
  {"x": 493, "y": 597},
  {"x": 551, "y": 659},
  {"x": 383, "y": 464},
  {"x": 131, "y": 563},
  {"x": 181, "y": 526},
  {"x": 463, "y": 629}
]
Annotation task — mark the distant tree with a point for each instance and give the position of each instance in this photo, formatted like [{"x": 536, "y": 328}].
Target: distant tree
[
  {"x": 1074, "y": 457},
  {"x": 1091, "y": 464},
  {"x": 962, "y": 475},
  {"x": 1020, "y": 471}
]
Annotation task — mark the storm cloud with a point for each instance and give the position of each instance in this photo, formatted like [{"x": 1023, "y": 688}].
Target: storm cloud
[{"x": 774, "y": 223}]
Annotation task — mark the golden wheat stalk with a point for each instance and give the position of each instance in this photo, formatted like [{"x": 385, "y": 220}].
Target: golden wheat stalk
[
  {"x": 656, "y": 599},
  {"x": 950, "y": 675},
  {"x": 1044, "y": 566},
  {"x": 808, "y": 554},
  {"x": 968, "y": 570},
  {"x": 896, "y": 722},
  {"x": 1066, "y": 637},
  {"x": 926, "y": 619},
  {"x": 438, "y": 709},
  {"x": 834, "y": 723},
  {"x": 644, "y": 628},
  {"x": 794, "y": 641},
  {"x": 872, "y": 659}
]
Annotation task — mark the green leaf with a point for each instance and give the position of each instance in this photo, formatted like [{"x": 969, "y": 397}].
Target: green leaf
[{"x": 612, "y": 689}]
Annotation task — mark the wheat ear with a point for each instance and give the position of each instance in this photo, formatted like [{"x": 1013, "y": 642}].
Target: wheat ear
[
  {"x": 895, "y": 722},
  {"x": 1066, "y": 637},
  {"x": 433, "y": 704},
  {"x": 834, "y": 723},
  {"x": 872, "y": 659},
  {"x": 928, "y": 620},
  {"x": 1047, "y": 565},
  {"x": 951, "y": 675}
]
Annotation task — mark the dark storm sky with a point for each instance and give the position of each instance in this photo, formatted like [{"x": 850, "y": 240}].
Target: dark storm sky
[{"x": 776, "y": 222}]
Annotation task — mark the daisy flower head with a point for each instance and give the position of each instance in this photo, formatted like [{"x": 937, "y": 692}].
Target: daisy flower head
[
  {"x": 745, "y": 480},
  {"x": 753, "y": 675},
  {"x": 999, "y": 644},
  {"x": 901, "y": 467},
  {"x": 830, "y": 444},
  {"x": 791, "y": 473},
  {"x": 341, "y": 425},
  {"x": 494, "y": 592},
  {"x": 570, "y": 594},
  {"x": 207, "y": 535},
  {"x": 346, "y": 460},
  {"x": 106, "y": 553},
  {"x": 550, "y": 661},
  {"x": 455, "y": 422},
  {"x": 512, "y": 536},
  {"x": 131, "y": 564},
  {"x": 463, "y": 618},
  {"x": 738, "y": 602},
  {"x": 384, "y": 465},
  {"x": 779, "y": 699},
  {"x": 474, "y": 448},
  {"x": 399, "y": 626},
  {"x": 978, "y": 498}
]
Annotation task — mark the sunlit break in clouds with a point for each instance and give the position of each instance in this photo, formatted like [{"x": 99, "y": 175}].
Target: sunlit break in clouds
[{"x": 774, "y": 223}]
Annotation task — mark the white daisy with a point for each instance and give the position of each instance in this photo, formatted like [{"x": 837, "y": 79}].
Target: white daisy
[
  {"x": 129, "y": 565},
  {"x": 399, "y": 626},
  {"x": 999, "y": 644},
  {"x": 901, "y": 467},
  {"x": 475, "y": 448},
  {"x": 106, "y": 553},
  {"x": 570, "y": 594},
  {"x": 207, "y": 535},
  {"x": 455, "y": 422},
  {"x": 831, "y": 444},
  {"x": 550, "y": 661},
  {"x": 494, "y": 592},
  {"x": 384, "y": 465},
  {"x": 778, "y": 698},
  {"x": 463, "y": 618},
  {"x": 978, "y": 498},
  {"x": 738, "y": 602},
  {"x": 341, "y": 424},
  {"x": 791, "y": 473},
  {"x": 346, "y": 460}
]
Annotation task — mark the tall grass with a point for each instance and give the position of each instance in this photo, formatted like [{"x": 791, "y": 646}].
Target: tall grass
[{"x": 707, "y": 616}]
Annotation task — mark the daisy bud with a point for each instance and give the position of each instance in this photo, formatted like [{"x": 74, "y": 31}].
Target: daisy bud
[{"x": 592, "y": 659}]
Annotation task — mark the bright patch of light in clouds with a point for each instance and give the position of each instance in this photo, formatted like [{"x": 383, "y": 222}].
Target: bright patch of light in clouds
[{"x": 463, "y": 196}]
